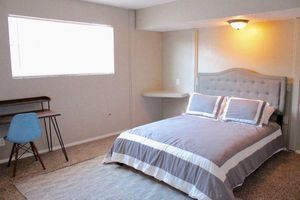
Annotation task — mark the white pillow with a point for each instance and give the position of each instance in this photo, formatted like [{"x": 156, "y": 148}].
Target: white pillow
[
  {"x": 249, "y": 111},
  {"x": 263, "y": 108},
  {"x": 204, "y": 105},
  {"x": 268, "y": 111}
]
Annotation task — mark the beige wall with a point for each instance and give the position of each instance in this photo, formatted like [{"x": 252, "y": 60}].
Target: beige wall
[
  {"x": 146, "y": 75},
  {"x": 270, "y": 48},
  {"x": 267, "y": 48},
  {"x": 178, "y": 63},
  {"x": 263, "y": 47},
  {"x": 86, "y": 101}
]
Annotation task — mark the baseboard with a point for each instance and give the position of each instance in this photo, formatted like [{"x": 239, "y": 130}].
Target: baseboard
[
  {"x": 5, "y": 160},
  {"x": 297, "y": 151}
]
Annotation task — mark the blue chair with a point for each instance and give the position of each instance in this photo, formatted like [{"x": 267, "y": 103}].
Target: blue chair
[{"x": 24, "y": 129}]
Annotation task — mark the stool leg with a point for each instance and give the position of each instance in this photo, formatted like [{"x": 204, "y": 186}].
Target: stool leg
[
  {"x": 16, "y": 160},
  {"x": 37, "y": 155},
  {"x": 33, "y": 151},
  {"x": 11, "y": 154}
]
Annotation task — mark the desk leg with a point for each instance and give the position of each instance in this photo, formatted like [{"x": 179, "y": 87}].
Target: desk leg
[
  {"x": 46, "y": 131},
  {"x": 57, "y": 131},
  {"x": 50, "y": 134}
]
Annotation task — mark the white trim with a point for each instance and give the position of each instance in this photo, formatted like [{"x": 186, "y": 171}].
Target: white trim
[
  {"x": 281, "y": 149},
  {"x": 5, "y": 160},
  {"x": 297, "y": 151},
  {"x": 259, "y": 111},
  {"x": 158, "y": 173},
  {"x": 211, "y": 167},
  {"x": 180, "y": 153},
  {"x": 217, "y": 105},
  {"x": 237, "y": 158}
]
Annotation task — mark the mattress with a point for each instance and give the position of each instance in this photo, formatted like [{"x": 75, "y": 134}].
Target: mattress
[{"x": 202, "y": 157}]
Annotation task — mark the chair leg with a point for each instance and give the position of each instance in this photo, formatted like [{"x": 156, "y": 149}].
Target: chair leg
[
  {"x": 16, "y": 160},
  {"x": 37, "y": 155},
  {"x": 33, "y": 151},
  {"x": 11, "y": 154}
]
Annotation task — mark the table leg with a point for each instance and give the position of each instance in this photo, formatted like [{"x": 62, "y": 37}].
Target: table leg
[
  {"x": 46, "y": 131},
  {"x": 50, "y": 135},
  {"x": 58, "y": 134}
]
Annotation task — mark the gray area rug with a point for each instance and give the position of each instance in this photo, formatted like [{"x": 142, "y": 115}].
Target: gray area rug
[{"x": 93, "y": 180}]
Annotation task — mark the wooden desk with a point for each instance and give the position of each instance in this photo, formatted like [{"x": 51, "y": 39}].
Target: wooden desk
[
  {"x": 6, "y": 119},
  {"x": 44, "y": 113}
]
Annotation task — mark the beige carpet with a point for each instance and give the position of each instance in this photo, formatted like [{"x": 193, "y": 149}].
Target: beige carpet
[
  {"x": 28, "y": 167},
  {"x": 278, "y": 178},
  {"x": 92, "y": 180}
]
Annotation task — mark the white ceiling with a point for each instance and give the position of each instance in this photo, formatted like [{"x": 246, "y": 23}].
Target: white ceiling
[{"x": 131, "y": 4}]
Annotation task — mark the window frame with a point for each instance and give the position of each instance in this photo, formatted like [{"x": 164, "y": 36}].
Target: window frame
[{"x": 60, "y": 75}]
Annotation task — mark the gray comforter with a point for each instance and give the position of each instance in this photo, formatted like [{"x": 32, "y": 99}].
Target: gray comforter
[{"x": 202, "y": 157}]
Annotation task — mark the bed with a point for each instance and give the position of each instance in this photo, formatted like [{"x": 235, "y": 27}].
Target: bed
[{"x": 204, "y": 157}]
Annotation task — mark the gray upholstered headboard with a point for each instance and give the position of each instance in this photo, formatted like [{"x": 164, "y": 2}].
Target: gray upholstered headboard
[{"x": 245, "y": 83}]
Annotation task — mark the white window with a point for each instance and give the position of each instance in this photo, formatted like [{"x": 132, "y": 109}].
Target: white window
[{"x": 42, "y": 47}]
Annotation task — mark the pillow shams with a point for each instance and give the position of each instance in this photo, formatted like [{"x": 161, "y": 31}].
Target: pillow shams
[
  {"x": 269, "y": 110},
  {"x": 244, "y": 110},
  {"x": 204, "y": 105}
]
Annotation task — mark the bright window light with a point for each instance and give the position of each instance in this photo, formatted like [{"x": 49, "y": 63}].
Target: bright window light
[{"x": 42, "y": 47}]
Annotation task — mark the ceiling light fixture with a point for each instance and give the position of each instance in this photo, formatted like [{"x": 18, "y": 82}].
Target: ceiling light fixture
[{"x": 238, "y": 23}]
